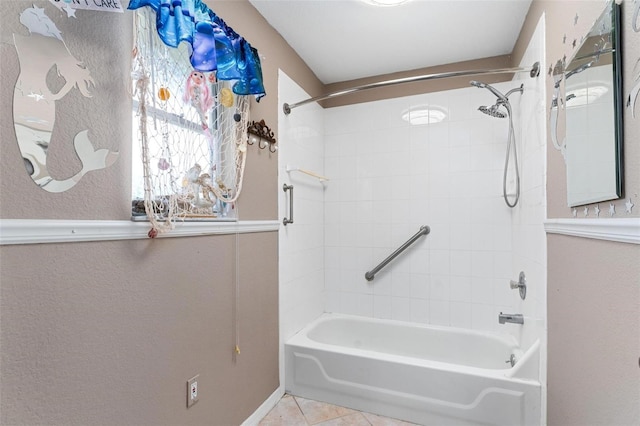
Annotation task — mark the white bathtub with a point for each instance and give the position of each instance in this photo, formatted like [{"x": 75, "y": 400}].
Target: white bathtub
[{"x": 422, "y": 374}]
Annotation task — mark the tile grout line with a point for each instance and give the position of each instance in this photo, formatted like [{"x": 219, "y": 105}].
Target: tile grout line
[
  {"x": 300, "y": 409},
  {"x": 319, "y": 423},
  {"x": 346, "y": 415}
]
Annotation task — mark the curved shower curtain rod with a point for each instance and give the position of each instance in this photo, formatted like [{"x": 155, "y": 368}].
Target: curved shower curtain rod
[{"x": 534, "y": 71}]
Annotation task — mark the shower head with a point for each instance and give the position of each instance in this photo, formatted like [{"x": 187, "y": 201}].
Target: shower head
[{"x": 493, "y": 111}]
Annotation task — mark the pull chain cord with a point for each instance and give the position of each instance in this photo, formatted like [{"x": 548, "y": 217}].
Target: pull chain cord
[
  {"x": 510, "y": 142},
  {"x": 236, "y": 313}
]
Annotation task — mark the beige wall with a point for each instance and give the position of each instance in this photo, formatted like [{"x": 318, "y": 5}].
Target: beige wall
[
  {"x": 259, "y": 199},
  {"x": 594, "y": 332},
  {"x": 100, "y": 195},
  {"x": 109, "y": 332},
  {"x": 593, "y": 305}
]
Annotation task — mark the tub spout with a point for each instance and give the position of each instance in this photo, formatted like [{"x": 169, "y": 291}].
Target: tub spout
[{"x": 512, "y": 318}]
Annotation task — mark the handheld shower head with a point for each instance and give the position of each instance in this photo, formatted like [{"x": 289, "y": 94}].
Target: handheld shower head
[
  {"x": 482, "y": 85},
  {"x": 494, "y": 111}
]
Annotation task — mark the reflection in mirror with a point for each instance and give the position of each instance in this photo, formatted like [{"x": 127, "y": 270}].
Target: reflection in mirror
[
  {"x": 593, "y": 102},
  {"x": 34, "y": 100}
]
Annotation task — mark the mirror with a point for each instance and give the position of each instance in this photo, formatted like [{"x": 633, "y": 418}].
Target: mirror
[
  {"x": 593, "y": 102},
  {"x": 48, "y": 72}
]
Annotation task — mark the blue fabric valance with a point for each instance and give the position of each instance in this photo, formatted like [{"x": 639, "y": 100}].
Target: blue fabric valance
[{"x": 214, "y": 45}]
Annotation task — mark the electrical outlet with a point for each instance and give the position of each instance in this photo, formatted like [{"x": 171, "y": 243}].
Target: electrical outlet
[{"x": 192, "y": 391}]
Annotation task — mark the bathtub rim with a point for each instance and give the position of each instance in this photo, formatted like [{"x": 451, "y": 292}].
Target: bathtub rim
[{"x": 301, "y": 340}]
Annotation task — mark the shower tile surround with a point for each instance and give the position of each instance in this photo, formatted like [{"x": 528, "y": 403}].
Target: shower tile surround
[
  {"x": 387, "y": 178},
  {"x": 301, "y": 244}
]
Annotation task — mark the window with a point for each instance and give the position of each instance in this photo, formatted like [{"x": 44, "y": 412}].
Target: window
[{"x": 189, "y": 133}]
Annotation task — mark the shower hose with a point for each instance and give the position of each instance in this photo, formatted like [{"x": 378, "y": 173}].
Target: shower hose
[{"x": 510, "y": 142}]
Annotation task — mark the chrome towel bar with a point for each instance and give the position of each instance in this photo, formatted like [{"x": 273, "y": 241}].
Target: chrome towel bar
[{"x": 424, "y": 230}]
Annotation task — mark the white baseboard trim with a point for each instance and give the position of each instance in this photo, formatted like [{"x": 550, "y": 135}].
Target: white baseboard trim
[
  {"x": 625, "y": 230},
  {"x": 36, "y": 231},
  {"x": 264, "y": 409}
]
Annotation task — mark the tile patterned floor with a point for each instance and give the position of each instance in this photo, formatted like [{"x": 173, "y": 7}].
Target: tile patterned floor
[{"x": 296, "y": 411}]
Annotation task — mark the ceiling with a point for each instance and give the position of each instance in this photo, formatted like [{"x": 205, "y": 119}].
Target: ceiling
[{"x": 349, "y": 39}]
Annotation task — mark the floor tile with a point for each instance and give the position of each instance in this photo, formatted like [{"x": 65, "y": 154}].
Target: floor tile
[
  {"x": 354, "y": 419},
  {"x": 376, "y": 420},
  {"x": 316, "y": 412},
  {"x": 285, "y": 413},
  {"x": 297, "y": 411}
]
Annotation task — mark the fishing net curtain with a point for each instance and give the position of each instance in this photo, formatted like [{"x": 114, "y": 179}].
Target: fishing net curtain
[{"x": 192, "y": 75}]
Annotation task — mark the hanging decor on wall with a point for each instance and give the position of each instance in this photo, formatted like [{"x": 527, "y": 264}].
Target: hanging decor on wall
[
  {"x": 192, "y": 133},
  {"x": 192, "y": 80},
  {"x": 34, "y": 101},
  {"x": 261, "y": 134}
]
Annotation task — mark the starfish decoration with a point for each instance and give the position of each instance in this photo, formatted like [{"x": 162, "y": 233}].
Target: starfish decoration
[
  {"x": 629, "y": 205},
  {"x": 71, "y": 12},
  {"x": 574, "y": 212},
  {"x": 586, "y": 211},
  {"x": 597, "y": 210},
  {"x": 575, "y": 19},
  {"x": 612, "y": 209}
]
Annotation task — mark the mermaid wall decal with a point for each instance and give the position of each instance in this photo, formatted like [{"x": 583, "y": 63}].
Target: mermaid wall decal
[{"x": 34, "y": 103}]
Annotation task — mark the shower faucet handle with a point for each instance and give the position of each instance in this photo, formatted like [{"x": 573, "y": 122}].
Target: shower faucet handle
[
  {"x": 521, "y": 285},
  {"x": 515, "y": 284}
]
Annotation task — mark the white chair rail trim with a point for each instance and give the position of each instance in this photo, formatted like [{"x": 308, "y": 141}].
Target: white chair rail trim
[
  {"x": 624, "y": 230},
  {"x": 37, "y": 231}
]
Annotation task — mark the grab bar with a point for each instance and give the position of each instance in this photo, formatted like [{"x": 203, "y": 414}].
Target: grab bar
[
  {"x": 289, "y": 188},
  {"x": 424, "y": 230}
]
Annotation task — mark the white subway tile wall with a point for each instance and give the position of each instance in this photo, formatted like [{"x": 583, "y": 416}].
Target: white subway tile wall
[
  {"x": 301, "y": 244},
  {"x": 388, "y": 178}
]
